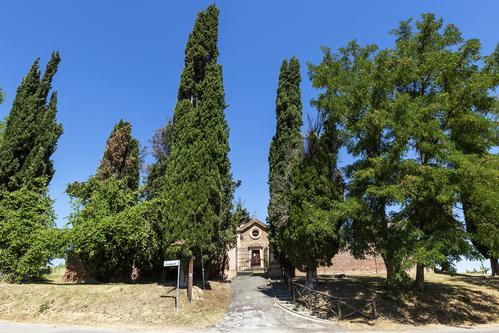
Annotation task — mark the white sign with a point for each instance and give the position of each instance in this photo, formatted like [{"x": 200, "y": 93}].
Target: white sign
[{"x": 171, "y": 263}]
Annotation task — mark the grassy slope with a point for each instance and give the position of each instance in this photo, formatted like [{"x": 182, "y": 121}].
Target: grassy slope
[
  {"x": 459, "y": 300},
  {"x": 124, "y": 305}
]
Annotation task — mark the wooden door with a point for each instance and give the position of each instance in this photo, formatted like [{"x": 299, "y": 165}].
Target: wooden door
[{"x": 255, "y": 258}]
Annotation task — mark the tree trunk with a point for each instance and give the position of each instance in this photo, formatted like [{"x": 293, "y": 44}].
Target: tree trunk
[
  {"x": 391, "y": 271},
  {"x": 420, "y": 277},
  {"x": 311, "y": 277},
  {"x": 189, "y": 278},
  {"x": 494, "y": 266}
]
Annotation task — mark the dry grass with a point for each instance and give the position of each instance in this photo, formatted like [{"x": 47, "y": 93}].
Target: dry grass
[
  {"x": 116, "y": 305},
  {"x": 461, "y": 300}
]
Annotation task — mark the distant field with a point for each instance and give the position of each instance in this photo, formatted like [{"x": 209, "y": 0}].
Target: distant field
[
  {"x": 148, "y": 305},
  {"x": 460, "y": 300}
]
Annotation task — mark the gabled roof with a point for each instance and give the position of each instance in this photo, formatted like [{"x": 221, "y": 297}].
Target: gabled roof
[{"x": 251, "y": 223}]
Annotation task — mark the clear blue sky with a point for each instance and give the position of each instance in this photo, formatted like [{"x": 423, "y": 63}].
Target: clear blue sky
[{"x": 123, "y": 60}]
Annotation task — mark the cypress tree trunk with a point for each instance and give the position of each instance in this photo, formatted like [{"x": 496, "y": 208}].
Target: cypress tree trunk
[
  {"x": 420, "y": 277},
  {"x": 190, "y": 274}
]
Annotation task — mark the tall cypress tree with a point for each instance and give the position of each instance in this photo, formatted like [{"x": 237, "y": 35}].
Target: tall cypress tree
[
  {"x": 315, "y": 216},
  {"x": 120, "y": 161},
  {"x": 285, "y": 150},
  {"x": 198, "y": 182},
  {"x": 31, "y": 131},
  {"x": 121, "y": 156},
  {"x": 28, "y": 239}
]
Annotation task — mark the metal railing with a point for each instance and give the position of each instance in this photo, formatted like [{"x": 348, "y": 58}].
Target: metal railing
[{"x": 340, "y": 308}]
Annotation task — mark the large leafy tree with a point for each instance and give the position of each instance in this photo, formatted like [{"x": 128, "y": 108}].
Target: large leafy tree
[
  {"x": 111, "y": 231},
  {"x": 403, "y": 110},
  {"x": 284, "y": 155},
  {"x": 198, "y": 191},
  {"x": 357, "y": 85},
  {"x": 31, "y": 131},
  {"x": 28, "y": 238},
  {"x": 445, "y": 89},
  {"x": 316, "y": 212}
]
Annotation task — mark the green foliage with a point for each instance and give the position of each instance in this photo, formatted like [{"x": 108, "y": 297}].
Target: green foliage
[
  {"x": 240, "y": 215},
  {"x": 285, "y": 150},
  {"x": 407, "y": 112},
  {"x": 198, "y": 191},
  {"x": 28, "y": 138},
  {"x": 31, "y": 131},
  {"x": 28, "y": 237},
  {"x": 316, "y": 213},
  {"x": 479, "y": 179},
  {"x": 112, "y": 233},
  {"x": 2, "y": 123},
  {"x": 161, "y": 150},
  {"x": 2, "y": 131},
  {"x": 121, "y": 156}
]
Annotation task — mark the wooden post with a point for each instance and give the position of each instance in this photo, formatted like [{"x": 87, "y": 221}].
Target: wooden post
[
  {"x": 374, "y": 310},
  {"x": 189, "y": 278},
  {"x": 339, "y": 309}
]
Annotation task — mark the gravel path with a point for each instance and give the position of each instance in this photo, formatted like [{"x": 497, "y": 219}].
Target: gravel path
[{"x": 253, "y": 310}]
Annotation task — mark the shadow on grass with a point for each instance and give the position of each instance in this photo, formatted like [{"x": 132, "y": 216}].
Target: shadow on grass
[
  {"x": 479, "y": 280},
  {"x": 440, "y": 303}
]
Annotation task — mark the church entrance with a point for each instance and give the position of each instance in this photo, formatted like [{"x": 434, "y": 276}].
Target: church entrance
[{"x": 255, "y": 258}]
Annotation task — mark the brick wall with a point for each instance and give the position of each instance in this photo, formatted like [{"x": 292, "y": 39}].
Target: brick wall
[{"x": 343, "y": 262}]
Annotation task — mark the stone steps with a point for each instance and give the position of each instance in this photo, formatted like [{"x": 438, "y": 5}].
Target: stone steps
[{"x": 285, "y": 299}]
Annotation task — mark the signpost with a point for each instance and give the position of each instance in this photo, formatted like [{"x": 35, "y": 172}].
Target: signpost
[{"x": 174, "y": 263}]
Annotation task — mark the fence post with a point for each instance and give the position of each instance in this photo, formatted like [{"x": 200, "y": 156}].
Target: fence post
[
  {"x": 293, "y": 292},
  {"x": 374, "y": 310},
  {"x": 339, "y": 309}
]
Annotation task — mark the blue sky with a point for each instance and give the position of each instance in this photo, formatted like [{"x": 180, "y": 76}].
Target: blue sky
[{"x": 124, "y": 61}]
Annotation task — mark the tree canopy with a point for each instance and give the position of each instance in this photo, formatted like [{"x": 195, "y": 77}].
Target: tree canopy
[
  {"x": 31, "y": 131},
  {"x": 408, "y": 112}
]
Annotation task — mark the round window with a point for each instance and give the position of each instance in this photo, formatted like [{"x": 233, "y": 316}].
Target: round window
[{"x": 255, "y": 233}]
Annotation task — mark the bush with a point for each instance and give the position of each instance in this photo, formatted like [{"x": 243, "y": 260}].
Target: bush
[
  {"x": 28, "y": 237},
  {"x": 111, "y": 233}
]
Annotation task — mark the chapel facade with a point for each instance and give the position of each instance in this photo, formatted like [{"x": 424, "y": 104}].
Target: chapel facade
[{"x": 253, "y": 254}]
